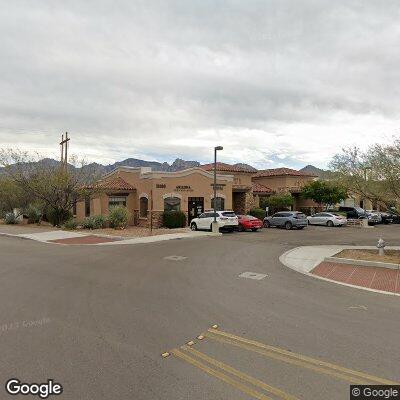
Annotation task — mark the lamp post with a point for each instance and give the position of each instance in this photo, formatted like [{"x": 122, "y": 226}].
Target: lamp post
[{"x": 215, "y": 228}]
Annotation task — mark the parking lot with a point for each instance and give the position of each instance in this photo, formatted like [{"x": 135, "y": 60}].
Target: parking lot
[{"x": 111, "y": 311}]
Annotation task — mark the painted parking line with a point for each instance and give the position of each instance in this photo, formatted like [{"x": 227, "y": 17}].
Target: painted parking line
[
  {"x": 300, "y": 360},
  {"x": 217, "y": 374}
]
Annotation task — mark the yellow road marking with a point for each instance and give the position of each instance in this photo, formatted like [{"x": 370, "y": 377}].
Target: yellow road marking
[
  {"x": 241, "y": 375},
  {"x": 297, "y": 359},
  {"x": 289, "y": 360},
  {"x": 225, "y": 378}
]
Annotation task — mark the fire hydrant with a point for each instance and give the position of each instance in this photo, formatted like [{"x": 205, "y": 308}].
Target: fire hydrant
[{"x": 381, "y": 247}]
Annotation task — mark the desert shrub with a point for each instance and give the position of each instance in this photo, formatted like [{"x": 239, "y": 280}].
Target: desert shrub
[
  {"x": 118, "y": 217},
  {"x": 71, "y": 224},
  {"x": 174, "y": 219},
  {"x": 258, "y": 213},
  {"x": 95, "y": 222},
  {"x": 34, "y": 214},
  {"x": 10, "y": 219},
  {"x": 100, "y": 221},
  {"x": 57, "y": 216},
  {"x": 88, "y": 223}
]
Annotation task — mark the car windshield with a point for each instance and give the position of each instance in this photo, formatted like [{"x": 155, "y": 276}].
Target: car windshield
[{"x": 228, "y": 214}]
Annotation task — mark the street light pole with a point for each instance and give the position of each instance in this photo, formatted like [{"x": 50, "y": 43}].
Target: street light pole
[{"x": 215, "y": 228}]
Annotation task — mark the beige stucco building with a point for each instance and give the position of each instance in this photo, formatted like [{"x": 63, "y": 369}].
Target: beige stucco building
[
  {"x": 147, "y": 194},
  {"x": 286, "y": 180}
]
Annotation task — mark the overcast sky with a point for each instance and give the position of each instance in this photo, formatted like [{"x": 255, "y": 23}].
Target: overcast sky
[{"x": 277, "y": 83}]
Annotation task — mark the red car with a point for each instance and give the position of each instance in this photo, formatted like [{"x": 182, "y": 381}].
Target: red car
[{"x": 249, "y": 222}]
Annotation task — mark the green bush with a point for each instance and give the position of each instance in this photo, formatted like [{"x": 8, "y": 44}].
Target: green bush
[
  {"x": 34, "y": 214},
  {"x": 118, "y": 217},
  {"x": 100, "y": 221},
  {"x": 57, "y": 216},
  {"x": 10, "y": 219},
  {"x": 174, "y": 219},
  {"x": 88, "y": 223},
  {"x": 258, "y": 213},
  {"x": 71, "y": 225},
  {"x": 95, "y": 222}
]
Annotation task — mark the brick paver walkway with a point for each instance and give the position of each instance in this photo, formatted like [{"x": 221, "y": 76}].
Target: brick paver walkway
[{"x": 384, "y": 279}]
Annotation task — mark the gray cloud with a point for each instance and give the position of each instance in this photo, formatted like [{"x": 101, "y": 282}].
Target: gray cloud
[{"x": 270, "y": 80}]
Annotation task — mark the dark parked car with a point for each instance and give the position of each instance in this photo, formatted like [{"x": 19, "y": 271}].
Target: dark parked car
[
  {"x": 395, "y": 217},
  {"x": 386, "y": 218},
  {"x": 354, "y": 212},
  {"x": 287, "y": 220}
]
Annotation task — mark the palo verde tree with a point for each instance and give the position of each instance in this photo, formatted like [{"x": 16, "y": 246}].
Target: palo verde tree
[
  {"x": 324, "y": 192},
  {"x": 47, "y": 182},
  {"x": 12, "y": 196},
  {"x": 373, "y": 174}
]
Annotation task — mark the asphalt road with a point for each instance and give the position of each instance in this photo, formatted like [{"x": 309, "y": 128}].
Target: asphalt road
[{"x": 96, "y": 319}]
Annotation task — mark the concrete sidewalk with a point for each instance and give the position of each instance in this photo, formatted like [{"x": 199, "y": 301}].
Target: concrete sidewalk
[
  {"x": 305, "y": 259},
  {"x": 73, "y": 237}
]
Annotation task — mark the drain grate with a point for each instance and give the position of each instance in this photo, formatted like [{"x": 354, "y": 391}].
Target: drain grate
[
  {"x": 175, "y": 258},
  {"x": 252, "y": 275}
]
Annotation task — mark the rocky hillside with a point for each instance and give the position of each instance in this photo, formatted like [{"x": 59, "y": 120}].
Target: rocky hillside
[{"x": 321, "y": 173}]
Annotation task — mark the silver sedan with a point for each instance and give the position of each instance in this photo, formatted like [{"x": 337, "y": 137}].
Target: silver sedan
[{"x": 327, "y": 219}]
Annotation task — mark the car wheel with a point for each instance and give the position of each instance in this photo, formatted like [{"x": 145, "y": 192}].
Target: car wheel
[
  {"x": 240, "y": 228},
  {"x": 193, "y": 227},
  {"x": 266, "y": 224},
  {"x": 254, "y": 229},
  {"x": 288, "y": 225},
  {"x": 330, "y": 224}
]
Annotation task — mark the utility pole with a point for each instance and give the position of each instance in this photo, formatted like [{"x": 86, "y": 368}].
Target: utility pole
[
  {"x": 64, "y": 150},
  {"x": 215, "y": 228}
]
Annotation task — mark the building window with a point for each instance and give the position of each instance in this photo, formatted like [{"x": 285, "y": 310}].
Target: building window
[
  {"x": 172, "y": 204},
  {"x": 219, "y": 204},
  {"x": 87, "y": 206},
  {"x": 143, "y": 207},
  {"x": 116, "y": 201}
]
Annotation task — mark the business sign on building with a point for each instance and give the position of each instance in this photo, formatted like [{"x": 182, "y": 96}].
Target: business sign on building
[{"x": 183, "y": 188}]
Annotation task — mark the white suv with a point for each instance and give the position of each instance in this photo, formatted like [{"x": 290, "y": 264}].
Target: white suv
[{"x": 226, "y": 220}]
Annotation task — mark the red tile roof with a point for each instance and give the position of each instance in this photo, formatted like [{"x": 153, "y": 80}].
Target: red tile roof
[
  {"x": 225, "y": 167},
  {"x": 115, "y": 183},
  {"x": 280, "y": 172},
  {"x": 258, "y": 188}
]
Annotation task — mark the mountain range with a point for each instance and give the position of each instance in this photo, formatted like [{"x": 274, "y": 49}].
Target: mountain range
[
  {"x": 176, "y": 165},
  {"x": 321, "y": 173}
]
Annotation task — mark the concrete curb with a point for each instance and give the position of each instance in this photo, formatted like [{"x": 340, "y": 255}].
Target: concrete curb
[
  {"x": 362, "y": 263},
  {"x": 293, "y": 264},
  {"x": 159, "y": 238},
  {"x": 124, "y": 241}
]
